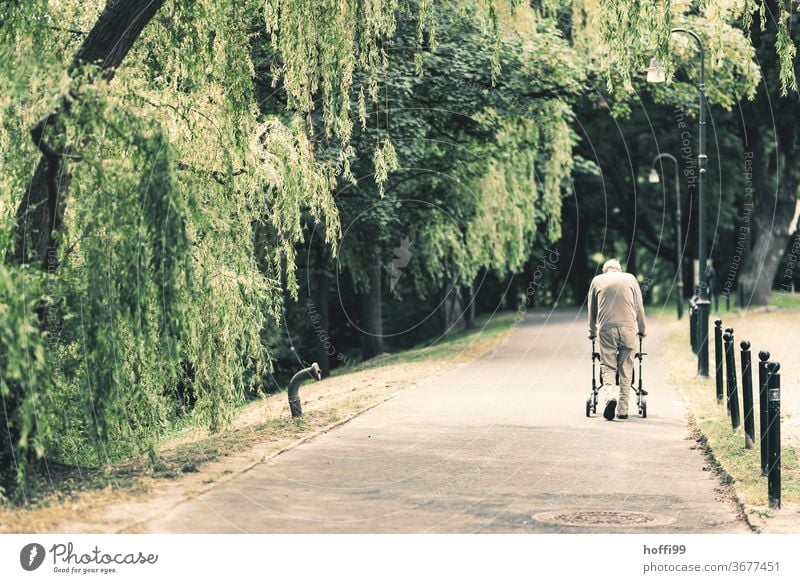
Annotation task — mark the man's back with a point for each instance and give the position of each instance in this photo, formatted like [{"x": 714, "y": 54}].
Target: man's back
[{"x": 615, "y": 299}]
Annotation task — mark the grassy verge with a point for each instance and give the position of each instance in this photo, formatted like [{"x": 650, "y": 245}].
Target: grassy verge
[
  {"x": 112, "y": 498},
  {"x": 785, "y": 300},
  {"x": 712, "y": 424}
]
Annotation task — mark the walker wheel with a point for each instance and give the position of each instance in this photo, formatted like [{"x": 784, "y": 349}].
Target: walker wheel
[
  {"x": 643, "y": 407},
  {"x": 588, "y": 406}
]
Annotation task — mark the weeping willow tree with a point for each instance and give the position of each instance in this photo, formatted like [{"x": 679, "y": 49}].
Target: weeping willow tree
[
  {"x": 500, "y": 183},
  {"x": 150, "y": 208}
]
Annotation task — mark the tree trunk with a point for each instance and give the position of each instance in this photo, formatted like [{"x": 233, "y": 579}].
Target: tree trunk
[
  {"x": 41, "y": 212},
  {"x": 775, "y": 210},
  {"x": 775, "y": 203},
  {"x": 449, "y": 301},
  {"x": 454, "y": 310},
  {"x": 371, "y": 316},
  {"x": 581, "y": 277},
  {"x": 775, "y": 200},
  {"x": 469, "y": 302},
  {"x": 776, "y": 175},
  {"x": 632, "y": 264}
]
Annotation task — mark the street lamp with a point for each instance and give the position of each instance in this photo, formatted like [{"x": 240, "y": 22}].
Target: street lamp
[
  {"x": 654, "y": 178},
  {"x": 655, "y": 74}
]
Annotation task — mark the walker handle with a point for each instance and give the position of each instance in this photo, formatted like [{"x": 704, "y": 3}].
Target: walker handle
[{"x": 640, "y": 354}]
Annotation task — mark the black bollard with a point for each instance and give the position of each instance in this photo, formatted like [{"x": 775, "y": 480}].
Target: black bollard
[
  {"x": 693, "y": 318},
  {"x": 730, "y": 369},
  {"x": 747, "y": 396},
  {"x": 312, "y": 372},
  {"x": 726, "y": 340},
  {"x": 774, "y": 473},
  {"x": 763, "y": 417},
  {"x": 718, "y": 358}
]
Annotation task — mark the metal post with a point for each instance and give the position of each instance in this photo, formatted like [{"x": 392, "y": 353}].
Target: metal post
[
  {"x": 679, "y": 233},
  {"x": 702, "y": 161},
  {"x": 703, "y": 304},
  {"x": 703, "y": 313},
  {"x": 312, "y": 372},
  {"x": 747, "y": 396},
  {"x": 726, "y": 338},
  {"x": 718, "y": 358},
  {"x": 763, "y": 418},
  {"x": 774, "y": 473},
  {"x": 728, "y": 301},
  {"x": 730, "y": 369}
]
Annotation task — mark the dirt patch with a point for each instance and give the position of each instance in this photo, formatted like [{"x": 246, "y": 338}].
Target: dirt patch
[{"x": 118, "y": 498}]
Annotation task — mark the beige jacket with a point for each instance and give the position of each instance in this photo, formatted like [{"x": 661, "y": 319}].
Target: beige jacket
[{"x": 615, "y": 299}]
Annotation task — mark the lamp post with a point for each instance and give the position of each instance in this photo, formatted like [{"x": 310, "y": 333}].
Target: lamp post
[
  {"x": 656, "y": 74},
  {"x": 654, "y": 178}
]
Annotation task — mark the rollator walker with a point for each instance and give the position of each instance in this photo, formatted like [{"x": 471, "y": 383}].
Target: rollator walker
[{"x": 641, "y": 400}]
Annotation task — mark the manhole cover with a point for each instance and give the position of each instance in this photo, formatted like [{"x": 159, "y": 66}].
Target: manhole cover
[{"x": 612, "y": 518}]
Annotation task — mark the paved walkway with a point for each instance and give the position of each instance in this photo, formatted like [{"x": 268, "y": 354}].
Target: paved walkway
[{"x": 484, "y": 449}]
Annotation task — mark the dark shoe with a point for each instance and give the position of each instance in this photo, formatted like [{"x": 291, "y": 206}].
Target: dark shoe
[
  {"x": 611, "y": 407},
  {"x": 622, "y": 416}
]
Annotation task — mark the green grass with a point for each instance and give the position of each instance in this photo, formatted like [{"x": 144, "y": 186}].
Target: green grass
[
  {"x": 785, "y": 300},
  {"x": 669, "y": 311},
  {"x": 712, "y": 426},
  {"x": 457, "y": 341},
  {"x": 779, "y": 299}
]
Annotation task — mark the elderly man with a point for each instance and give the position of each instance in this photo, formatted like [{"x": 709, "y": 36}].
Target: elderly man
[{"x": 616, "y": 317}]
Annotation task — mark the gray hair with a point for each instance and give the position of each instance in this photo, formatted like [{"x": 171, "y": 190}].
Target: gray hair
[{"x": 611, "y": 265}]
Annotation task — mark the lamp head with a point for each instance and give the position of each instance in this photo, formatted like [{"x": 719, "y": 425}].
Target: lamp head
[
  {"x": 656, "y": 73},
  {"x": 653, "y": 177}
]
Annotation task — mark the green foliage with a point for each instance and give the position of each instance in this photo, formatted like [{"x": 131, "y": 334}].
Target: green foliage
[
  {"x": 22, "y": 358},
  {"x": 605, "y": 32},
  {"x": 482, "y": 161}
]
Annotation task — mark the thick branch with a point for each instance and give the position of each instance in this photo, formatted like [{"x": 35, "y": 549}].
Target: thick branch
[{"x": 41, "y": 211}]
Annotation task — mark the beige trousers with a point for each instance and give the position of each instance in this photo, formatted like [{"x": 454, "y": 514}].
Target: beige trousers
[{"x": 617, "y": 347}]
